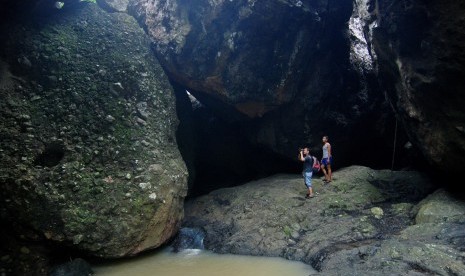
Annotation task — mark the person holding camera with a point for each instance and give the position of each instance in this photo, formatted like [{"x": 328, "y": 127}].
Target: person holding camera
[{"x": 307, "y": 159}]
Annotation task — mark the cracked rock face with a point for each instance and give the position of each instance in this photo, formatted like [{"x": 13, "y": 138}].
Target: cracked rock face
[
  {"x": 270, "y": 60},
  {"x": 248, "y": 54},
  {"x": 422, "y": 66},
  {"x": 88, "y": 150},
  {"x": 291, "y": 69}
]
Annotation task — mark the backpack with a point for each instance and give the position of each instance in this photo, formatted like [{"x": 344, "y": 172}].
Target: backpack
[{"x": 316, "y": 165}]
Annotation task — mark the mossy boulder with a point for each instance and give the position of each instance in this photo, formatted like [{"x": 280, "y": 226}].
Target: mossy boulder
[
  {"x": 88, "y": 150},
  {"x": 427, "y": 249},
  {"x": 360, "y": 224},
  {"x": 434, "y": 245},
  {"x": 439, "y": 207},
  {"x": 114, "y": 5}
]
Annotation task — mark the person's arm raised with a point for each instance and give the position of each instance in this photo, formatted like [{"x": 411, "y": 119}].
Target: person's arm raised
[{"x": 301, "y": 156}]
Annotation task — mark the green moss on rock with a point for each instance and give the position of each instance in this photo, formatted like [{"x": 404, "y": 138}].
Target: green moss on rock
[{"x": 88, "y": 116}]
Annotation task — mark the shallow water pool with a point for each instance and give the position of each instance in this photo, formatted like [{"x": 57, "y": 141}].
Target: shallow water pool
[{"x": 194, "y": 262}]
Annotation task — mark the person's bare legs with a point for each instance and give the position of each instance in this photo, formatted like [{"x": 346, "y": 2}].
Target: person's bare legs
[
  {"x": 330, "y": 174},
  {"x": 324, "y": 171},
  {"x": 310, "y": 192}
]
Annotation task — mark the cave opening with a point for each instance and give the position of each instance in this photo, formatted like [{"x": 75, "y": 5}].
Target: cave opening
[
  {"x": 214, "y": 143},
  {"x": 217, "y": 151}
]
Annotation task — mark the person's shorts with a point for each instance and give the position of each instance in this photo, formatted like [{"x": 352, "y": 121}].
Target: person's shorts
[
  {"x": 325, "y": 161},
  {"x": 308, "y": 178}
]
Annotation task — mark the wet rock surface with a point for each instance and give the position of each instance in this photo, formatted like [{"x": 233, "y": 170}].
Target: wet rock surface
[
  {"x": 88, "y": 150},
  {"x": 361, "y": 223},
  {"x": 188, "y": 238},
  {"x": 77, "y": 267}
]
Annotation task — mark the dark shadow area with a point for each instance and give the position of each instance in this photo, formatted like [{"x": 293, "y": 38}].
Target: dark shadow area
[
  {"x": 51, "y": 156},
  {"x": 27, "y": 252},
  {"x": 450, "y": 183},
  {"x": 37, "y": 11},
  {"x": 394, "y": 151},
  {"x": 217, "y": 153}
]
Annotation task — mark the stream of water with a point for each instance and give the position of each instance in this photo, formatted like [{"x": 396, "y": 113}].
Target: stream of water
[{"x": 195, "y": 262}]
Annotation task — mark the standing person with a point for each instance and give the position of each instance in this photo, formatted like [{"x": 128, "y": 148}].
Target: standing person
[
  {"x": 307, "y": 159},
  {"x": 327, "y": 160}
]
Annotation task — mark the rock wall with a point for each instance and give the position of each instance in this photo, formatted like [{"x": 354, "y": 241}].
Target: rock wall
[
  {"x": 420, "y": 47},
  {"x": 88, "y": 149},
  {"x": 304, "y": 69},
  {"x": 290, "y": 71},
  {"x": 243, "y": 52}
]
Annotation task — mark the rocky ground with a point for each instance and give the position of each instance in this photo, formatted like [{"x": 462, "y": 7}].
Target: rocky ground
[{"x": 365, "y": 222}]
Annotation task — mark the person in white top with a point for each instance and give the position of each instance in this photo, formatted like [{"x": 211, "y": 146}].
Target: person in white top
[{"x": 327, "y": 160}]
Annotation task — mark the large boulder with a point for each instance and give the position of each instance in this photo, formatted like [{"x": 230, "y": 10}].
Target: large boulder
[
  {"x": 440, "y": 207},
  {"x": 240, "y": 52},
  {"x": 88, "y": 149},
  {"x": 420, "y": 48}
]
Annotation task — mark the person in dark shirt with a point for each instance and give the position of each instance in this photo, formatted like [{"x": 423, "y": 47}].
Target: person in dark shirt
[{"x": 307, "y": 159}]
